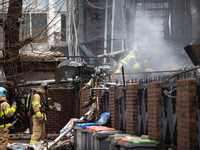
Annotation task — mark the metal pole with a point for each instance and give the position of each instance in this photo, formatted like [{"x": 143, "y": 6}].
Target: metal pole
[
  {"x": 68, "y": 26},
  {"x": 96, "y": 55},
  {"x": 111, "y": 67},
  {"x": 105, "y": 34},
  {"x": 112, "y": 24},
  {"x": 123, "y": 102}
]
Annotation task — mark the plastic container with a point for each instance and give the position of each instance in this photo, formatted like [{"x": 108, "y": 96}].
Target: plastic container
[
  {"x": 100, "y": 128},
  {"x": 99, "y": 139},
  {"x": 18, "y": 148},
  {"x": 143, "y": 141},
  {"x": 138, "y": 144},
  {"x": 84, "y": 139},
  {"x": 77, "y": 138},
  {"x": 113, "y": 139},
  {"x": 90, "y": 140},
  {"x": 86, "y": 124},
  {"x": 125, "y": 140},
  {"x": 92, "y": 131}
]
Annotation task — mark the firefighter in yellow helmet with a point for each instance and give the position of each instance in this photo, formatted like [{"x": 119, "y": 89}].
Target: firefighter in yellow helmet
[
  {"x": 40, "y": 104},
  {"x": 98, "y": 75},
  {"x": 135, "y": 61},
  {"x": 5, "y": 113}
]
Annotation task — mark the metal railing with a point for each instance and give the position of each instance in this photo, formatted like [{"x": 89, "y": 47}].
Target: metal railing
[{"x": 168, "y": 116}]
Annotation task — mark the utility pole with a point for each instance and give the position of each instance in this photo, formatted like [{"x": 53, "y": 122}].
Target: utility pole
[
  {"x": 68, "y": 26},
  {"x": 105, "y": 33},
  {"x": 50, "y": 20},
  {"x": 112, "y": 25}
]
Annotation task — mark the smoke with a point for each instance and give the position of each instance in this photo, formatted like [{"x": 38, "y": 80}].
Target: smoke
[{"x": 153, "y": 38}]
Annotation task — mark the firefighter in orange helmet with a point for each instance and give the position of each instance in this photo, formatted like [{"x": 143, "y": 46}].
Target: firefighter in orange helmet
[
  {"x": 40, "y": 104},
  {"x": 6, "y": 112}
]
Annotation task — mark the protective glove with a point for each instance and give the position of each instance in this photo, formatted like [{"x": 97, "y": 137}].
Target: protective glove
[
  {"x": 54, "y": 108},
  {"x": 14, "y": 103},
  {"x": 41, "y": 119}
]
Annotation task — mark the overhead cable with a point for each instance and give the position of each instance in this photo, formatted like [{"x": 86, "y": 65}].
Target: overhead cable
[{"x": 93, "y": 6}]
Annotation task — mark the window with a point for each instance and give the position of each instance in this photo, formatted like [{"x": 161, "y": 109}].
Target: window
[
  {"x": 24, "y": 31},
  {"x": 39, "y": 23}
]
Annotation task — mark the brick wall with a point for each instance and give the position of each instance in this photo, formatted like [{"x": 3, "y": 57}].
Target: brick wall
[
  {"x": 131, "y": 109},
  {"x": 99, "y": 108},
  {"x": 69, "y": 108},
  {"x": 113, "y": 107},
  {"x": 186, "y": 114},
  {"x": 186, "y": 111},
  {"x": 154, "y": 111},
  {"x": 85, "y": 95}
]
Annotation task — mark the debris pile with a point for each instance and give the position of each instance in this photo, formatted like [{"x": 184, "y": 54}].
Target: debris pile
[{"x": 64, "y": 141}]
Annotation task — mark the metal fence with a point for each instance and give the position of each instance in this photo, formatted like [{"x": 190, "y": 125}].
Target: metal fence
[
  {"x": 197, "y": 100},
  {"x": 142, "y": 115},
  {"x": 168, "y": 116}
]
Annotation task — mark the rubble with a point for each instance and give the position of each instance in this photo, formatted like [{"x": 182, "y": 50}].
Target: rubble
[{"x": 63, "y": 141}]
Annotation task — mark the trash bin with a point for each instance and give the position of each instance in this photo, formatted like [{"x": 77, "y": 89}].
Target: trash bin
[
  {"x": 84, "y": 139},
  {"x": 138, "y": 144},
  {"x": 77, "y": 138},
  {"x": 99, "y": 139},
  {"x": 80, "y": 135},
  {"x": 112, "y": 144},
  {"x": 86, "y": 124},
  {"x": 113, "y": 139},
  {"x": 90, "y": 140}
]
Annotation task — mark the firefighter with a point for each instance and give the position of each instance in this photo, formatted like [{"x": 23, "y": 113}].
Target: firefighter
[
  {"x": 5, "y": 113},
  {"x": 40, "y": 105},
  {"x": 135, "y": 61},
  {"x": 95, "y": 11},
  {"x": 98, "y": 75}
]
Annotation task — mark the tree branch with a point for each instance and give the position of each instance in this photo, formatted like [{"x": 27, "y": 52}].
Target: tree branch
[{"x": 25, "y": 42}]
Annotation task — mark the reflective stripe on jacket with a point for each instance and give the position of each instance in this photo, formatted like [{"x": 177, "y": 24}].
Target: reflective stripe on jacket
[
  {"x": 5, "y": 113},
  {"x": 36, "y": 104}
]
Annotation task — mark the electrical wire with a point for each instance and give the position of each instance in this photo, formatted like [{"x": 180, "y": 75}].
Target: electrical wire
[
  {"x": 93, "y": 6},
  {"x": 168, "y": 93}
]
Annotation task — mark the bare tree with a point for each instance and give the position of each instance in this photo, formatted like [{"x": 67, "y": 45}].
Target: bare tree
[{"x": 16, "y": 35}]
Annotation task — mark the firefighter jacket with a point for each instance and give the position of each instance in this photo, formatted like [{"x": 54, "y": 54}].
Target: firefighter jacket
[
  {"x": 127, "y": 61},
  {"x": 130, "y": 62},
  {"x": 38, "y": 105},
  {"x": 6, "y": 112},
  {"x": 94, "y": 81}
]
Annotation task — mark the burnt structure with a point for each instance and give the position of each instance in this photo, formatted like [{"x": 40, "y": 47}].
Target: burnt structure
[{"x": 157, "y": 25}]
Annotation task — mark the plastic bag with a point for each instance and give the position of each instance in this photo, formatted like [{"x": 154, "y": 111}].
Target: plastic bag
[{"x": 104, "y": 120}]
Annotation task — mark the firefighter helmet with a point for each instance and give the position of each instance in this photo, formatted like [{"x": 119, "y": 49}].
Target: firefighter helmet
[
  {"x": 99, "y": 73},
  {"x": 3, "y": 91},
  {"x": 45, "y": 85}
]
